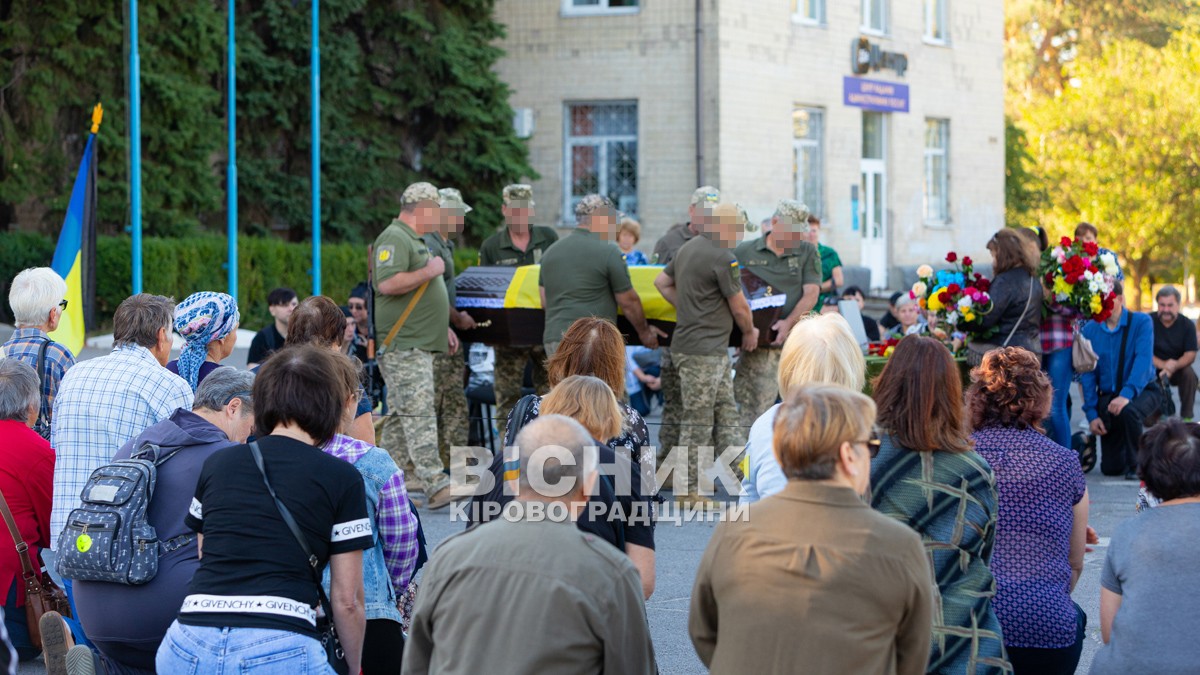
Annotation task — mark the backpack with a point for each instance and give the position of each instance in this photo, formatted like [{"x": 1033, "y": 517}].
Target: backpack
[{"x": 108, "y": 537}]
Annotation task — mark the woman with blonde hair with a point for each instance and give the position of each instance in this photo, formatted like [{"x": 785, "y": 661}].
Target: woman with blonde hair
[
  {"x": 820, "y": 349},
  {"x": 815, "y": 556},
  {"x": 590, "y": 401}
]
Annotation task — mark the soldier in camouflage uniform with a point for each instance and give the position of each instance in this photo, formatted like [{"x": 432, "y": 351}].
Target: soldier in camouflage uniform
[
  {"x": 409, "y": 277},
  {"x": 704, "y": 283},
  {"x": 790, "y": 264},
  {"x": 519, "y": 243},
  {"x": 664, "y": 251},
  {"x": 449, "y": 399}
]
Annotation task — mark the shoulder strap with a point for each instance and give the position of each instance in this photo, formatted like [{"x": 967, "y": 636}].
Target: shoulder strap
[
  {"x": 412, "y": 303},
  {"x": 22, "y": 547},
  {"x": 41, "y": 373},
  {"x": 152, "y": 450},
  {"x": 1121, "y": 357},
  {"x": 1028, "y": 301}
]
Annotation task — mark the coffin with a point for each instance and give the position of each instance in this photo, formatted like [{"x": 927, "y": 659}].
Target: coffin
[{"x": 506, "y": 305}]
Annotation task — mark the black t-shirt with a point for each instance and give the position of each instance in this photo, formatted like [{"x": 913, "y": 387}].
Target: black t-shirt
[
  {"x": 871, "y": 328},
  {"x": 610, "y": 514},
  {"x": 265, "y": 343},
  {"x": 888, "y": 322},
  {"x": 253, "y": 573},
  {"x": 1171, "y": 343}
]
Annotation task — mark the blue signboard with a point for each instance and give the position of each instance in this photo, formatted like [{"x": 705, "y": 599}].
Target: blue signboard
[{"x": 875, "y": 95}]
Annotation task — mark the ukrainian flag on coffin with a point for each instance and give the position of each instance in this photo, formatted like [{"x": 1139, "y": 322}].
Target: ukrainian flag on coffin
[
  {"x": 75, "y": 254},
  {"x": 523, "y": 291}
]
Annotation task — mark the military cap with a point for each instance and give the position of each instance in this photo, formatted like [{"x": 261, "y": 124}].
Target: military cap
[
  {"x": 518, "y": 192},
  {"x": 794, "y": 212},
  {"x": 707, "y": 194},
  {"x": 453, "y": 199},
  {"x": 419, "y": 192},
  {"x": 745, "y": 218},
  {"x": 592, "y": 203}
]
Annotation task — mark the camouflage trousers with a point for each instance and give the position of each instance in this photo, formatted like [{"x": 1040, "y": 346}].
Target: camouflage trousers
[
  {"x": 510, "y": 374},
  {"x": 668, "y": 431},
  {"x": 709, "y": 415},
  {"x": 757, "y": 383},
  {"x": 450, "y": 402},
  {"x": 409, "y": 430}
]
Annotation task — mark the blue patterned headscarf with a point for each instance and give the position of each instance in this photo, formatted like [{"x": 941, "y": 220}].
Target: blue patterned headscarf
[{"x": 202, "y": 318}]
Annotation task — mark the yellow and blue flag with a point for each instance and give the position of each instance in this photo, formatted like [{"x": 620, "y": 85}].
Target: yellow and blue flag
[{"x": 75, "y": 254}]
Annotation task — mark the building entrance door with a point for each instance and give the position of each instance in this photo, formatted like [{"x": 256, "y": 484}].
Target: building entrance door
[{"x": 873, "y": 207}]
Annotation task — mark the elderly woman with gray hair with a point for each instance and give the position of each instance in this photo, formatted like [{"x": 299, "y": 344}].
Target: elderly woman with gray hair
[
  {"x": 26, "y": 482},
  {"x": 127, "y": 623},
  {"x": 38, "y": 299}
]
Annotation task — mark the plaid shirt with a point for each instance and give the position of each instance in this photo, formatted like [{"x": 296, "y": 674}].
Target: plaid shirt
[
  {"x": 101, "y": 404},
  {"x": 24, "y": 345},
  {"x": 1058, "y": 328},
  {"x": 394, "y": 519}
]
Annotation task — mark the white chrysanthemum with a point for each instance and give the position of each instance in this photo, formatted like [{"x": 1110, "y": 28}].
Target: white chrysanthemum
[
  {"x": 924, "y": 271},
  {"x": 919, "y": 289},
  {"x": 964, "y": 302}
]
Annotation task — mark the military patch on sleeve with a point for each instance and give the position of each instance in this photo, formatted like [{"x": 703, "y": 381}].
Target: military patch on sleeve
[{"x": 386, "y": 255}]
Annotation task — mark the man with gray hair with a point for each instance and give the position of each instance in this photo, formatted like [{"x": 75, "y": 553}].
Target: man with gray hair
[
  {"x": 105, "y": 401},
  {"x": 530, "y": 593},
  {"x": 127, "y": 623},
  {"x": 38, "y": 299},
  {"x": 585, "y": 275},
  {"x": 1175, "y": 349}
]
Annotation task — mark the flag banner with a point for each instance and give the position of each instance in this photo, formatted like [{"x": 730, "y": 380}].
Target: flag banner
[{"x": 74, "y": 256}]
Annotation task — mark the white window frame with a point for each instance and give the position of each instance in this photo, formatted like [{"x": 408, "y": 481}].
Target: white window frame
[
  {"x": 798, "y": 177},
  {"x": 600, "y": 142},
  {"x": 940, "y": 216},
  {"x": 569, "y": 8},
  {"x": 866, "y": 27},
  {"x": 932, "y": 9},
  {"x": 798, "y": 15}
]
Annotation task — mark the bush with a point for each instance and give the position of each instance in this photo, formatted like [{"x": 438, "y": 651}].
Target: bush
[{"x": 179, "y": 267}]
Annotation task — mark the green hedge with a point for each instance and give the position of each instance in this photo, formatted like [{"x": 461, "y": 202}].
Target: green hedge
[{"x": 179, "y": 267}]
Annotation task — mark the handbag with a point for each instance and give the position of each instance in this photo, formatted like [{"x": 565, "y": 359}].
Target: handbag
[
  {"x": 1083, "y": 356},
  {"x": 42, "y": 595},
  {"x": 325, "y": 627},
  {"x": 976, "y": 350}
]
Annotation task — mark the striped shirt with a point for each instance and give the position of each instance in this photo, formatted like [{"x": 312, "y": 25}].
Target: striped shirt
[
  {"x": 101, "y": 404},
  {"x": 25, "y": 345},
  {"x": 394, "y": 519}
]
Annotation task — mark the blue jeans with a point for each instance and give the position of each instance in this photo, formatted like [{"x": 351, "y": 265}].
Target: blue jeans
[
  {"x": 1058, "y": 366},
  {"x": 200, "y": 650},
  {"x": 18, "y": 630}
]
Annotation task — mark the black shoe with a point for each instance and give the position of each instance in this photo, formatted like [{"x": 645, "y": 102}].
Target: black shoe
[{"x": 1131, "y": 475}]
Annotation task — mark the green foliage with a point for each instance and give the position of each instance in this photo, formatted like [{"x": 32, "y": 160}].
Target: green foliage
[
  {"x": 409, "y": 93},
  {"x": 464, "y": 257},
  {"x": 1023, "y": 189},
  {"x": 179, "y": 267}
]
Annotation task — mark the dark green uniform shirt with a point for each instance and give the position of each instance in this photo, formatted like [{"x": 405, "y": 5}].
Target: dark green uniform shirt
[
  {"x": 788, "y": 273},
  {"x": 705, "y": 275},
  {"x": 439, "y": 245},
  {"x": 581, "y": 274},
  {"x": 829, "y": 260},
  {"x": 669, "y": 244},
  {"x": 498, "y": 249},
  {"x": 399, "y": 249}
]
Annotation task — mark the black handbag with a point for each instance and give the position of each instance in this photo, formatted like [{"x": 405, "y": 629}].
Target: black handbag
[{"x": 325, "y": 627}]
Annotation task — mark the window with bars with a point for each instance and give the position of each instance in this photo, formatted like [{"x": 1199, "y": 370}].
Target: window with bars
[
  {"x": 601, "y": 154},
  {"x": 808, "y": 165},
  {"x": 937, "y": 171},
  {"x": 875, "y": 16},
  {"x": 600, "y": 6},
  {"x": 937, "y": 15},
  {"x": 809, "y": 11}
]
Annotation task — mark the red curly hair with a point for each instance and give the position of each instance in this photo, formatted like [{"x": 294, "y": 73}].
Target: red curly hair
[{"x": 1009, "y": 389}]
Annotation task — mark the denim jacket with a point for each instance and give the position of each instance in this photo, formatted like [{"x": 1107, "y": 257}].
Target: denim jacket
[{"x": 376, "y": 467}]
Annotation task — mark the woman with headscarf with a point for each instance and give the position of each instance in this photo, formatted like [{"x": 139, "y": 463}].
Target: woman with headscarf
[{"x": 208, "y": 322}]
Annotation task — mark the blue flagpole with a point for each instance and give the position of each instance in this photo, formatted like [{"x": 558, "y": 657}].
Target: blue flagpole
[
  {"x": 316, "y": 150},
  {"x": 231, "y": 185},
  {"x": 135, "y": 144}
]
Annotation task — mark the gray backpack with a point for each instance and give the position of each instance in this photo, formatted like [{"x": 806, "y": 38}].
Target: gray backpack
[{"x": 108, "y": 537}]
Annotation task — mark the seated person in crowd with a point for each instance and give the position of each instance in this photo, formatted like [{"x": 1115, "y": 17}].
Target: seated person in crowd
[
  {"x": 643, "y": 369},
  {"x": 37, "y": 299},
  {"x": 855, "y": 293},
  {"x": 127, "y": 623},
  {"x": 533, "y": 595},
  {"x": 813, "y": 580},
  {"x": 909, "y": 320},
  {"x": 280, "y": 302},
  {"x": 1175, "y": 349},
  {"x": 888, "y": 321},
  {"x": 628, "y": 235},
  {"x": 1147, "y": 619}
]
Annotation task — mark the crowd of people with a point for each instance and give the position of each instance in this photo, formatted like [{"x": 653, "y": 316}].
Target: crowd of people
[{"x": 922, "y": 528}]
